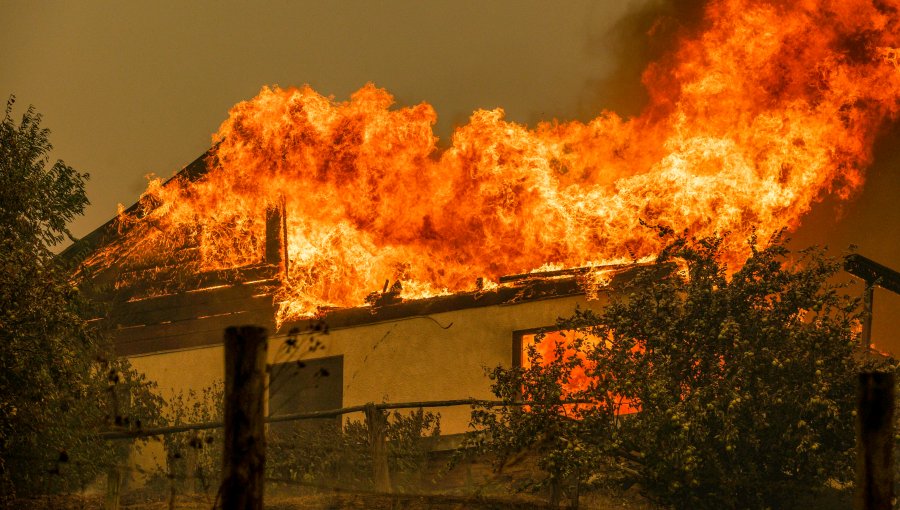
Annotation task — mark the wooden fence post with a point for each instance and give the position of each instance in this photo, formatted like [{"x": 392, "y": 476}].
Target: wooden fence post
[
  {"x": 244, "y": 449},
  {"x": 376, "y": 423},
  {"x": 190, "y": 461},
  {"x": 115, "y": 478},
  {"x": 173, "y": 492},
  {"x": 875, "y": 422},
  {"x": 113, "y": 487}
]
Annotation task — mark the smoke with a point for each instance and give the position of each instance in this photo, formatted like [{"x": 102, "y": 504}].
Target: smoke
[{"x": 646, "y": 33}]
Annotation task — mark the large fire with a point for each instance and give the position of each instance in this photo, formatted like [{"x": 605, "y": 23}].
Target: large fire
[{"x": 766, "y": 109}]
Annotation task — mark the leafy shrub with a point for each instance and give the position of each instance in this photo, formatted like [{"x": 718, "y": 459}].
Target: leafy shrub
[
  {"x": 745, "y": 380},
  {"x": 325, "y": 455},
  {"x": 56, "y": 389},
  {"x": 193, "y": 458},
  {"x": 569, "y": 440}
]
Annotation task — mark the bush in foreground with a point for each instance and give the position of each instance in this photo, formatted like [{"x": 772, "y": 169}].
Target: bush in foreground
[{"x": 745, "y": 380}]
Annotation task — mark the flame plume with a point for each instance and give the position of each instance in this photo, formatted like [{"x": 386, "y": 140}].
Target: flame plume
[{"x": 763, "y": 111}]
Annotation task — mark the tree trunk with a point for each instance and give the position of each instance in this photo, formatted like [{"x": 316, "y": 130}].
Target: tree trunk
[{"x": 555, "y": 492}]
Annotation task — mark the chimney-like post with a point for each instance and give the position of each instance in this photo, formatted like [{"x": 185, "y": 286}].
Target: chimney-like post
[{"x": 276, "y": 236}]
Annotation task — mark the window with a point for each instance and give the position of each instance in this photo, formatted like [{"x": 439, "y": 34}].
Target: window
[
  {"x": 546, "y": 339},
  {"x": 305, "y": 386}
]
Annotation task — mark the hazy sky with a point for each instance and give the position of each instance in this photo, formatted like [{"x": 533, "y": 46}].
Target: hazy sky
[
  {"x": 130, "y": 89},
  {"x": 133, "y": 88}
]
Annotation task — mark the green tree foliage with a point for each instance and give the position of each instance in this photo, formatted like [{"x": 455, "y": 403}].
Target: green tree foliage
[
  {"x": 38, "y": 199},
  {"x": 745, "y": 381},
  {"x": 325, "y": 454},
  {"x": 568, "y": 430},
  {"x": 55, "y": 390},
  {"x": 194, "y": 458}
]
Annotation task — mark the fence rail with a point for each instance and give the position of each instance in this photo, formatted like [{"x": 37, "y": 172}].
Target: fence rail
[{"x": 328, "y": 413}]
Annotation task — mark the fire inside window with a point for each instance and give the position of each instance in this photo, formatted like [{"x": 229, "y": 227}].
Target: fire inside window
[{"x": 546, "y": 342}]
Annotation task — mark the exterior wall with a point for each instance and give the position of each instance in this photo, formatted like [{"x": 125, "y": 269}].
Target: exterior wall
[
  {"x": 401, "y": 360},
  {"x": 182, "y": 370},
  {"x": 415, "y": 359},
  {"x": 408, "y": 359},
  {"x": 175, "y": 371}
]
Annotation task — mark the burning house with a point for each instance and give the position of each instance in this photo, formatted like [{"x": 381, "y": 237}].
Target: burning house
[
  {"x": 169, "y": 323},
  {"x": 305, "y": 205}
]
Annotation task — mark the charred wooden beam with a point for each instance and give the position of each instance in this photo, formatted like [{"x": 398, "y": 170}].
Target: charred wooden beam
[
  {"x": 274, "y": 235},
  {"x": 575, "y": 271},
  {"x": 504, "y": 295},
  {"x": 545, "y": 274},
  {"x": 170, "y": 280},
  {"x": 386, "y": 296},
  {"x": 872, "y": 272},
  {"x": 284, "y": 237},
  {"x": 109, "y": 231},
  {"x": 868, "y": 298}
]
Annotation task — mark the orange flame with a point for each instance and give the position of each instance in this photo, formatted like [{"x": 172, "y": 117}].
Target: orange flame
[
  {"x": 576, "y": 380},
  {"x": 770, "y": 107}
]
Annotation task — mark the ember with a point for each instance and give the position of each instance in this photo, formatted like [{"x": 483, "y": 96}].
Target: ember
[{"x": 769, "y": 108}]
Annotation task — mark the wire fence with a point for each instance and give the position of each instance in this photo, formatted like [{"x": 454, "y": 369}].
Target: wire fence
[
  {"x": 329, "y": 413},
  {"x": 343, "y": 463}
]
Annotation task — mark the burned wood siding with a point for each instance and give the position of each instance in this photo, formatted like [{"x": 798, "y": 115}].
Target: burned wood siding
[{"x": 188, "y": 319}]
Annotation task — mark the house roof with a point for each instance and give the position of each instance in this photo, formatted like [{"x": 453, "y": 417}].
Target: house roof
[
  {"x": 191, "y": 317},
  {"x": 75, "y": 253},
  {"x": 197, "y": 318}
]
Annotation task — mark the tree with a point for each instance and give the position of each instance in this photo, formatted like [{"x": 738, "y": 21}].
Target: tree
[
  {"x": 744, "y": 380},
  {"x": 193, "y": 458},
  {"x": 569, "y": 440},
  {"x": 329, "y": 454},
  {"x": 56, "y": 389}
]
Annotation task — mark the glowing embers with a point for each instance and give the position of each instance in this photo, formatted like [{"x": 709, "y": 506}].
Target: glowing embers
[{"x": 565, "y": 356}]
